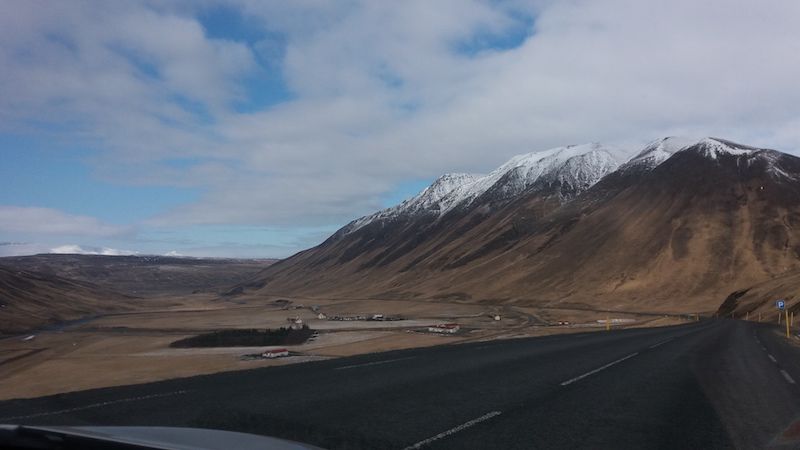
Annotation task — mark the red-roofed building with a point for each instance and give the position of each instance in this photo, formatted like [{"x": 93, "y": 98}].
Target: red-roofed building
[{"x": 275, "y": 353}]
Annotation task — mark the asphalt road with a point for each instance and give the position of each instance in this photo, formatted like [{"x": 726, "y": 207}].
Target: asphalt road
[{"x": 713, "y": 384}]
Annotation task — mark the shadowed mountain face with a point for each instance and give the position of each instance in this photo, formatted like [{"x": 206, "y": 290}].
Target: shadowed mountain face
[
  {"x": 30, "y": 300},
  {"x": 677, "y": 228},
  {"x": 758, "y": 302}
]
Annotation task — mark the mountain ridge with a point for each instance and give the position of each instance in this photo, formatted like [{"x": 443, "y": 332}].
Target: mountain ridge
[{"x": 709, "y": 216}]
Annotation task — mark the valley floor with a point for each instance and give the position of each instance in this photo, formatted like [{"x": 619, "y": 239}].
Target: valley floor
[{"x": 127, "y": 348}]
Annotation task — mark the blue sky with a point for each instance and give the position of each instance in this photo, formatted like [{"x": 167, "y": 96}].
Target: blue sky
[
  {"x": 33, "y": 174},
  {"x": 256, "y": 129}
]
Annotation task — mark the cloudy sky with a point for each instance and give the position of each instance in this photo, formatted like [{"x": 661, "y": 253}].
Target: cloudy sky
[{"x": 256, "y": 128}]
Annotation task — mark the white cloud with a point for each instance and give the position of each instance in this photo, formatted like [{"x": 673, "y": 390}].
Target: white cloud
[
  {"x": 46, "y": 221},
  {"x": 33, "y": 248},
  {"x": 380, "y": 92},
  {"x": 73, "y": 249}
]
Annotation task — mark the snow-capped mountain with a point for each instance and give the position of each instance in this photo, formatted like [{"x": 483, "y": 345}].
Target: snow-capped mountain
[
  {"x": 657, "y": 152},
  {"x": 568, "y": 170},
  {"x": 578, "y": 166},
  {"x": 429, "y": 201},
  {"x": 775, "y": 163},
  {"x": 715, "y": 147},
  {"x": 705, "y": 218}
]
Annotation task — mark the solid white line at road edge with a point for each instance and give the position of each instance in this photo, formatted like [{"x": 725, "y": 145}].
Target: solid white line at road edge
[
  {"x": 787, "y": 376},
  {"x": 455, "y": 430},
  {"x": 375, "y": 363},
  {"x": 580, "y": 377},
  {"x": 94, "y": 405}
]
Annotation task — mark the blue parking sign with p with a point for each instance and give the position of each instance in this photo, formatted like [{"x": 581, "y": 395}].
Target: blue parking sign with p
[{"x": 781, "y": 304}]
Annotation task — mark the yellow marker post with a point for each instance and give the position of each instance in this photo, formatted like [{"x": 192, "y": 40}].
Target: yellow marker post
[{"x": 788, "y": 332}]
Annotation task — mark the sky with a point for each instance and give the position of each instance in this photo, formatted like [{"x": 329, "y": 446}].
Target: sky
[{"x": 256, "y": 128}]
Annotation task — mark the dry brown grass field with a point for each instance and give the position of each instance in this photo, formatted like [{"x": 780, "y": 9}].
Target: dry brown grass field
[{"x": 133, "y": 346}]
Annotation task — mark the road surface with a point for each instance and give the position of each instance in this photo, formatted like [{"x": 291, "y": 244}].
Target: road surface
[{"x": 712, "y": 384}]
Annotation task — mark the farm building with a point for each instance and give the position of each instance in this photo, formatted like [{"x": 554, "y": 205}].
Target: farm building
[
  {"x": 450, "y": 328},
  {"x": 296, "y": 322},
  {"x": 275, "y": 353}
]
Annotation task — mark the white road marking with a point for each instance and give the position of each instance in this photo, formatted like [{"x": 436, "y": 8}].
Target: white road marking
[
  {"x": 787, "y": 376},
  {"x": 93, "y": 405},
  {"x": 763, "y": 348},
  {"x": 772, "y": 358},
  {"x": 455, "y": 430},
  {"x": 580, "y": 377},
  {"x": 661, "y": 343},
  {"x": 373, "y": 363}
]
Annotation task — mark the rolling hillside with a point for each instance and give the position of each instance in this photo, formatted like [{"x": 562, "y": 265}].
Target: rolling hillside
[{"x": 29, "y": 300}]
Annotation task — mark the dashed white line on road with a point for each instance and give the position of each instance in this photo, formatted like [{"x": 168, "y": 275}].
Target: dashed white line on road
[
  {"x": 373, "y": 363},
  {"x": 661, "y": 343},
  {"x": 763, "y": 348},
  {"x": 787, "y": 376},
  {"x": 592, "y": 372},
  {"x": 454, "y": 430},
  {"x": 93, "y": 405},
  {"x": 772, "y": 358}
]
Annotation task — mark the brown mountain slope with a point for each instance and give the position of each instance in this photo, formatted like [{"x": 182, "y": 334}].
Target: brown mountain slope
[
  {"x": 759, "y": 301},
  {"x": 682, "y": 237},
  {"x": 679, "y": 237},
  {"x": 29, "y": 300},
  {"x": 388, "y": 259}
]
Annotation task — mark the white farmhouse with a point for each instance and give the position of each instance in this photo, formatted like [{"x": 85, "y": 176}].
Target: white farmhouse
[{"x": 448, "y": 328}]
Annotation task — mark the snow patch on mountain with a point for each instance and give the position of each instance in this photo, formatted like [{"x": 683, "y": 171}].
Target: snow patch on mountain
[
  {"x": 522, "y": 171},
  {"x": 430, "y": 200},
  {"x": 579, "y": 173},
  {"x": 566, "y": 171},
  {"x": 659, "y": 151},
  {"x": 714, "y": 147},
  {"x": 574, "y": 168}
]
